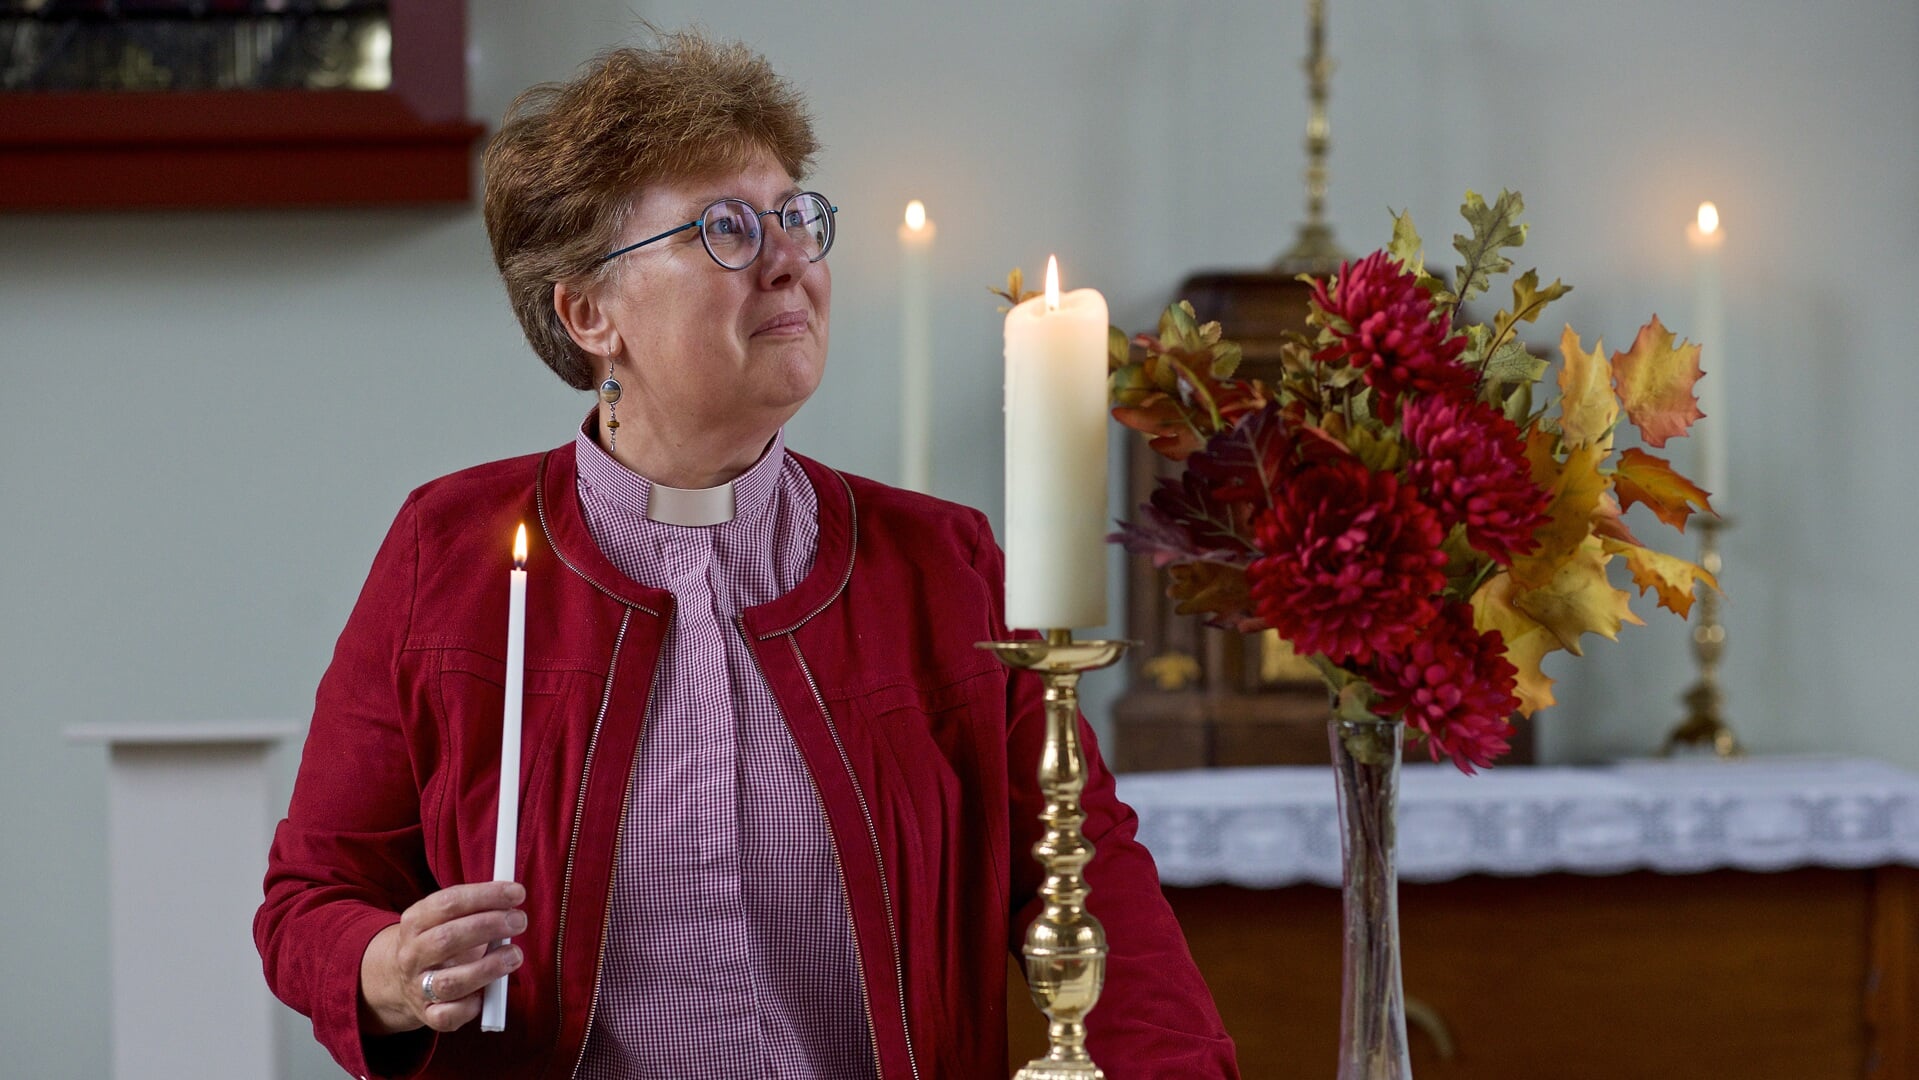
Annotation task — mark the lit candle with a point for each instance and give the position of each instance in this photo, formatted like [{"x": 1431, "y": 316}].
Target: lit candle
[
  {"x": 916, "y": 349},
  {"x": 506, "y": 834},
  {"x": 1709, "y": 318},
  {"x": 1056, "y": 459}
]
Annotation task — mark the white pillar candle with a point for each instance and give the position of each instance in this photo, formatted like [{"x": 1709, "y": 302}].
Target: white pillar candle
[
  {"x": 1056, "y": 459},
  {"x": 916, "y": 349},
  {"x": 1709, "y": 319},
  {"x": 506, "y": 834}
]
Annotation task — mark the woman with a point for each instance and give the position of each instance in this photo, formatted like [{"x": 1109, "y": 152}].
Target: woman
[{"x": 775, "y": 806}]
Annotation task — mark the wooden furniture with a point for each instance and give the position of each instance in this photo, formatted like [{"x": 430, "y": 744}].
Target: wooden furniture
[
  {"x": 101, "y": 150},
  {"x": 1804, "y": 975},
  {"x": 1750, "y": 920}
]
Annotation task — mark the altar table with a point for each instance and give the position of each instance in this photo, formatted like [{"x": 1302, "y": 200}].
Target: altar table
[{"x": 1749, "y": 920}]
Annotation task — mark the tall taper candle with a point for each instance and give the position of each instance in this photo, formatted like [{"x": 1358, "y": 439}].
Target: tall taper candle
[
  {"x": 916, "y": 349},
  {"x": 1710, "y": 465},
  {"x": 506, "y": 834},
  {"x": 1056, "y": 459}
]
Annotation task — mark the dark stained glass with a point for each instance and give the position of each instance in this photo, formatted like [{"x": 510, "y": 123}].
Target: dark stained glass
[{"x": 195, "y": 45}]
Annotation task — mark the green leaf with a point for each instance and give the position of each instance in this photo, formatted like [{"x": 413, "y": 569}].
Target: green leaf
[
  {"x": 1376, "y": 449},
  {"x": 1479, "y": 337},
  {"x": 1226, "y": 358},
  {"x": 1519, "y": 404},
  {"x": 1513, "y": 363},
  {"x": 1407, "y": 247},
  {"x": 1495, "y": 228},
  {"x": 1119, "y": 350},
  {"x": 1179, "y": 328}
]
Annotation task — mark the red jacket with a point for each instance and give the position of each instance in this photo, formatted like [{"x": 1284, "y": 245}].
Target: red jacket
[{"x": 923, "y": 749}]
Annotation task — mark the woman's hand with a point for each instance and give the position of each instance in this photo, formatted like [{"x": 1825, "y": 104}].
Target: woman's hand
[{"x": 446, "y": 933}]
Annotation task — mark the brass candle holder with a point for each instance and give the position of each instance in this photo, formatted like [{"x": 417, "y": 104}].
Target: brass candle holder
[
  {"x": 1065, "y": 947},
  {"x": 1705, "y": 724}
]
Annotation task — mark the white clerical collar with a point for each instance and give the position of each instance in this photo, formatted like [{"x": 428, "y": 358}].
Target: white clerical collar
[
  {"x": 612, "y": 485},
  {"x": 690, "y": 506}
]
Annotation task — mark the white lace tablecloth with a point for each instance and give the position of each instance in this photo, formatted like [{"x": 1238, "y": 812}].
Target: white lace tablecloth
[{"x": 1270, "y": 827}]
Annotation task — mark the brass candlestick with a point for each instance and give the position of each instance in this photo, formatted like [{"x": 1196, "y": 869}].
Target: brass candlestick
[
  {"x": 1065, "y": 946},
  {"x": 1705, "y": 723},
  {"x": 1315, "y": 251}
]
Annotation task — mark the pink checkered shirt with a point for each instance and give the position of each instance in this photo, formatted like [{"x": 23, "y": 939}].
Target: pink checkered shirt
[{"x": 729, "y": 950}]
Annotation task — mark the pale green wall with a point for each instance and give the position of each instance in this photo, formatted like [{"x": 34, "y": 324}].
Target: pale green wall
[{"x": 207, "y": 420}]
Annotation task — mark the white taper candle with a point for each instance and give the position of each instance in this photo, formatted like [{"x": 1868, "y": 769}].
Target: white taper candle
[
  {"x": 916, "y": 349},
  {"x": 1056, "y": 459},
  {"x": 1710, "y": 464},
  {"x": 506, "y": 835}
]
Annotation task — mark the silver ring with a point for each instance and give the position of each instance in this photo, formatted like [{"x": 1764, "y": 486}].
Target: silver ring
[{"x": 426, "y": 988}]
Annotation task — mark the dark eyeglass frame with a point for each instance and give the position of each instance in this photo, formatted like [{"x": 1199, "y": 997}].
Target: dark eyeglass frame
[{"x": 700, "y": 223}]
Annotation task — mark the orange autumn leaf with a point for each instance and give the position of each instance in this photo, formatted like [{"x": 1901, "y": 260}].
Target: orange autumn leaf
[
  {"x": 1610, "y": 521},
  {"x": 1527, "y": 642},
  {"x": 1643, "y": 478},
  {"x": 1655, "y": 379},
  {"x": 1161, "y": 417},
  {"x": 1587, "y": 408},
  {"x": 1578, "y": 600},
  {"x": 1219, "y": 593},
  {"x": 1671, "y": 577},
  {"x": 1542, "y": 455},
  {"x": 1576, "y": 487}
]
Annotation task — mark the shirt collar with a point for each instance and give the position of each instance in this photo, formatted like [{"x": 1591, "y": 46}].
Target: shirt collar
[{"x": 619, "y": 488}]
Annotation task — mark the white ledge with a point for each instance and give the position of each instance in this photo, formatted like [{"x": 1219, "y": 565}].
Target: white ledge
[{"x": 186, "y": 733}]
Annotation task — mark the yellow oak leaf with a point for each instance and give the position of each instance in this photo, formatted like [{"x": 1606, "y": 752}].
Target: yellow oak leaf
[
  {"x": 1527, "y": 642},
  {"x": 1529, "y": 300},
  {"x": 1655, "y": 379},
  {"x": 1587, "y": 408},
  {"x": 1671, "y": 577},
  {"x": 1643, "y": 478},
  {"x": 1578, "y": 600},
  {"x": 1576, "y": 487}
]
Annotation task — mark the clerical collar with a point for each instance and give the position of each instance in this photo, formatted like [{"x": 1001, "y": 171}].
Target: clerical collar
[
  {"x": 690, "y": 506},
  {"x": 618, "y": 487}
]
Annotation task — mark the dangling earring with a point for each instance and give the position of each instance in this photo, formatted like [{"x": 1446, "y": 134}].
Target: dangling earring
[{"x": 610, "y": 394}]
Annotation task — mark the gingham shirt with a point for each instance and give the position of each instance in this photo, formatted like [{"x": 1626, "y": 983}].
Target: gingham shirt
[{"x": 729, "y": 951}]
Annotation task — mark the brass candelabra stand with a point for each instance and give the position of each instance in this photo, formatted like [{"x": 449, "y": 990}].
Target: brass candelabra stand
[
  {"x": 1065, "y": 947},
  {"x": 1705, "y": 725}
]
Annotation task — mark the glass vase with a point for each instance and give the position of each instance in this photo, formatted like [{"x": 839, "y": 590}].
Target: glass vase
[{"x": 1372, "y": 1013}]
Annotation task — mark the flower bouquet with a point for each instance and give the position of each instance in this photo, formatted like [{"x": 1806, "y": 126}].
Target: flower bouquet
[{"x": 1408, "y": 513}]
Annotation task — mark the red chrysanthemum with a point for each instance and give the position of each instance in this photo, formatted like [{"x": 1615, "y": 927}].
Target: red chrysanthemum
[
  {"x": 1350, "y": 561},
  {"x": 1454, "y": 684},
  {"x": 1469, "y": 464},
  {"x": 1392, "y": 334}
]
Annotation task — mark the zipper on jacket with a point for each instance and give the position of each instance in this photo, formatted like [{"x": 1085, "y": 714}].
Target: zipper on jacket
[
  {"x": 573, "y": 845},
  {"x": 539, "y": 510},
  {"x": 846, "y": 894},
  {"x": 886, "y": 896},
  {"x": 853, "y": 514}
]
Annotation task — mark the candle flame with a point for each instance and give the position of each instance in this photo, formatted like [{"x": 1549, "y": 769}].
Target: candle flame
[
  {"x": 1708, "y": 219},
  {"x": 916, "y": 215},
  {"x": 519, "y": 548},
  {"x": 1052, "y": 283}
]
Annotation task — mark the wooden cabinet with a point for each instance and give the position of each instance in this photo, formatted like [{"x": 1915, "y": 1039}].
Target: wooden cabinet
[{"x": 1803, "y": 975}]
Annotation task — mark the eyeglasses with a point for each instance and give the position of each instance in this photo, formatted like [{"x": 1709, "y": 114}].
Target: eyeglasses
[{"x": 730, "y": 229}]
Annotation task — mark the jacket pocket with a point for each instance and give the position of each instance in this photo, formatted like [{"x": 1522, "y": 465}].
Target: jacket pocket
[{"x": 459, "y": 805}]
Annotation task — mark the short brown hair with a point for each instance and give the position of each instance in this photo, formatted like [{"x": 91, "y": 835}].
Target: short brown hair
[{"x": 570, "y": 157}]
